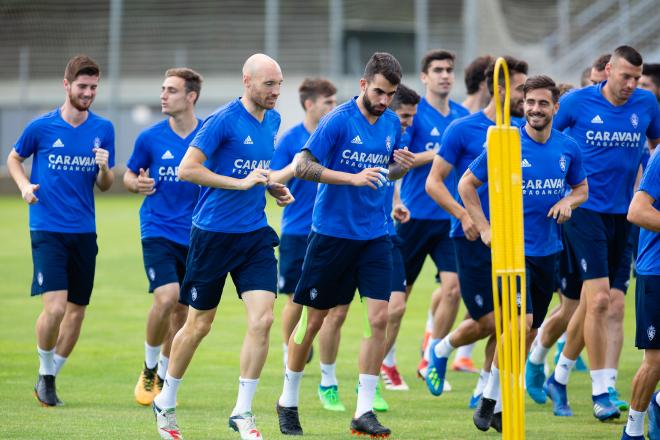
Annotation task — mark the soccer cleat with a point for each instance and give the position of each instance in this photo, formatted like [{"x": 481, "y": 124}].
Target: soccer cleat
[
  {"x": 379, "y": 404},
  {"x": 245, "y": 425},
  {"x": 464, "y": 364},
  {"x": 625, "y": 436},
  {"x": 145, "y": 388},
  {"x": 483, "y": 414},
  {"x": 534, "y": 380},
  {"x": 557, "y": 393},
  {"x": 160, "y": 383},
  {"x": 474, "y": 401},
  {"x": 392, "y": 378},
  {"x": 368, "y": 424},
  {"x": 422, "y": 369},
  {"x": 288, "y": 419},
  {"x": 44, "y": 390},
  {"x": 435, "y": 375},
  {"x": 166, "y": 423},
  {"x": 496, "y": 422},
  {"x": 425, "y": 341},
  {"x": 580, "y": 365},
  {"x": 614, "y": 398},
  {"x": 329, "y": 397},
  {"x": 604, "y": 409},
  {"x": 654, "y": 418}
]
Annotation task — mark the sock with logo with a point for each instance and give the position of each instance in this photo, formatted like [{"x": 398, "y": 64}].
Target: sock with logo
[
  {"x": 481, "y": 383},
  {"x": 246, "y": 390},
  {"x": 151, "y": 355},
  {"x": 163, "y": 363},
  {"x": 598, "y": 382},
  {"x": 610, "y": 378},
  {"x": 563, "y": 369},
  {"x": 635, "y": 425},
  {"x": 444, "y": 348},
  {"x": 366, "y": 392},
  {"x": 46, "y": 365},
  {"x": 291, "y": 388},
  {"x": 167, "y": 396},
  {"x": 58, "y": 362},
  {"x": 538, "y": 354},
  {"x": 492, "y": 389},
  {"x": 328, "y": 375}
]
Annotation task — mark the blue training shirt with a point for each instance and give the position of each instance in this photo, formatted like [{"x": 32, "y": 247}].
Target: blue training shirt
[
  {"x": 297, "y": 217},
  {"x": 546, "y": 169},
  {"x": 65, "y": 168},
  {"x": 648, "y": 259},
  {"x": 235, "y": 143},
  {"x": 167, "y": 213},
  {"x": 425, "y": 135},
  {"x": 612, "y": 140},
  {"x": 345, "y": 141}
]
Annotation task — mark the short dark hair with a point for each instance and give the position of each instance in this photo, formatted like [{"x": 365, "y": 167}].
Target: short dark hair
[
  {"x": 81, "y": 65},
  {"x": 312, "y": 88},
  {"x": 475, "y": 73},
  {"x": 629, "y": 54},
  {"x": 385, "y": 64},
  {"x": 404, "y": 96},
  {"x": 564, "y": 88},
  {"x": 600, "y": 62},
  {"x": 541, "y": 82},
  {"x": 515, "y": 66},
  {"x": 652, "y": 70},
  {"x": 585, "y": 78},
  {"x": 193, "y": 80},
  {"x": 436, "y": 55}
]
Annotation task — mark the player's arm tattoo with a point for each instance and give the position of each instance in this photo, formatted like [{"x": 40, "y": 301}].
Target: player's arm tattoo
[{"x": 308, "y": 167}]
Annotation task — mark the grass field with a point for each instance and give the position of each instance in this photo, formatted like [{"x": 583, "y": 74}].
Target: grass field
[{"x": 97, "y": 382}]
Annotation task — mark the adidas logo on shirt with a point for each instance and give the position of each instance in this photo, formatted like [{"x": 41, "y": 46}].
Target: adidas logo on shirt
[
  {"x": 58, "y": 143},
  {"x": 597, "y": 120},
  {"x": 525, "y": 164},
  {"x": 248, "y": 141},
  {"x": 167, "y": 155},
  {"x": 435, "y": 132},
  {"x": 357, "y": 140}
]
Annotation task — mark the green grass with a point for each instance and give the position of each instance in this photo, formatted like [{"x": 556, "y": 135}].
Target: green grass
[{"x": 97, "y": 382}]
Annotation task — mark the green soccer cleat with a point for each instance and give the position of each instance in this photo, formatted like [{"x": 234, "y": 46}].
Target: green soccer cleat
[
  {"x": 380, "y": 404},
  {"x": 329, "y": 397}
]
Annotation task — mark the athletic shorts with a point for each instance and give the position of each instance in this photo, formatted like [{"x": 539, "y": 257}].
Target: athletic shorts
[
  {"x": 622, "y": 277},
  {"x": 570, "y": 283},
  {"x": 292, "y": 255},
  {"x": 540, "y": 273},
  {"x": 249, "y": 258},
  {"x": 426, "y": 237},
  {"x": 164, "y": 261},
  {"x": 64, "y": 261},
  {"x": 596, "y": 243},
  {"x": 398, "y": 268},
  {"x": 334, "y": 267},
  {"x": 647, "y": 308}
]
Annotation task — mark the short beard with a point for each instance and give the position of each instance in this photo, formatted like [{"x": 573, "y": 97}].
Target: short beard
[
  {"x": 370, "y": 108},
  {"x": 75, "y": 102}
]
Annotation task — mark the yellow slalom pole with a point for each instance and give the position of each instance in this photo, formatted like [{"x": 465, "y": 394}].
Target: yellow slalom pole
[{"x": 508, "y": 257}]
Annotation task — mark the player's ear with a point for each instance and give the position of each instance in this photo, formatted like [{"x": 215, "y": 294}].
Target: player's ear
[{"x": 363, "y": 84}]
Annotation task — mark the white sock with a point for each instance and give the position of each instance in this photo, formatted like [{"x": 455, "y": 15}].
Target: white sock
[
  {"x": 465, "y": 351},
  {"x": 562, "y": 338},
  {"x": 46, "y": 365},
  {"x": 538, "y": 354},
  {"x": 167, "y": 397},
  {"x": 285, "y": 349},
  {"x": 563, "y": 369},
  {"x": 163, "y": 363},
  {"x": 58, "y": 362},
  {"x": 366, "y": 392},
  {"x": 491, "y": 391},
  {"x": 657, "y": 399},
  {"x": 481, "y": 383},
  {"x": 427, "y": 352},
  {"x": 390, "y": 357},
  {"x": 429, "y": 321},
  {"x": 328, "y": 376},
  {"x": 291, "y": 388},
  {"x": 498, "y": 404},
  {"x": 246, "y": 390},
  {"x": 598, "y": 382},
  {"x": 151, "y": 355},
  {"x": 444, "y": 348},
  {"x": 610, "y": 379},
  {"x": 635, "y": 425}
]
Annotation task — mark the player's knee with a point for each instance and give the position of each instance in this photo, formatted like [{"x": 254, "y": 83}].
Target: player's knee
[
  {"x": 396, "y": 310},
  {"x": 599, "y": 304},
  {"x": 199, "y": 327},
  {"x": 335, "y": 319},
  {"x": 165, "y": 304},
  {"x": 261, "y": 324},
  {"x": 314, "y": 323},
  {"x": 75, "y": 314},
  {"x": 55, "y": 311},
  {"x": 378, "y": 321},
  {"x": 617, "y": 307}
]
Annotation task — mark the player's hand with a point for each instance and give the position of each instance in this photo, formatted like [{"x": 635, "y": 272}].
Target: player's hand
[
  {"x": 102, "y": 157},
  {"x": 374, "y": 178},
  {"x": 257, "y": 176},
  {"x": 281, "y": 194},
  {"x": 561, "y": 211},
  {"x": 485, "y": 236},
  {"x": 145, "y": 184},
  {"x": 400, "y": 213},
  {"x": 404, "y": 158},
  {"x": 469, "y": 228},
  {"x": 28, "y": 193}
]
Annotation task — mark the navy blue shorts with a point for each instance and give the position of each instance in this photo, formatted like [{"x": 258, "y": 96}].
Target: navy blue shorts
[
  {"x": 596, "y": 243},
  {"x": 570, "y": 283},
  {"x": 474, "y": 275},
  {"x": 164, "y": 261},
  {"x": 64, "y": 261},
  {"x": 540, "y": 272},
  {"x": 647, "y": 307},
  {"x": 248, "y": 257},
  {"x": 398, "y": 268},
  {"x": 426, "y": 237},
  {"x": 621, "y": 279},
  {"x": 292, "y": 255},
  {"x": 335, "y": 267}
]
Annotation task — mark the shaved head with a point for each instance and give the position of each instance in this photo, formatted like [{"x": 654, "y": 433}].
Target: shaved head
[
  {"x": 262, "y": 78},
  {"x": 258, "y": 63}
]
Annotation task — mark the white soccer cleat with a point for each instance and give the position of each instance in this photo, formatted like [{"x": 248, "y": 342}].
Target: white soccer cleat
[
  {"x": 246, "y": 426},
  {"x": 166, "y": 423}
]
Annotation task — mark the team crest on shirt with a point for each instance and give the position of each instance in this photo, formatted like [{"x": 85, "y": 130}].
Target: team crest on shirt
[
  {"x": 650, "y": 332},
  {"x": 313, "y": 293},
  {"x": 97, "y": 142},
  {"x": 388, "y": 143},
  {"x": 152, "y": 273},
  {"x": 634, "y": 120},
  {"x": 562, "y": 163},
  {"x": 479, "y": 300},
  {"x": 40, "y": 278},
  {"x": 193, "y": 294}
]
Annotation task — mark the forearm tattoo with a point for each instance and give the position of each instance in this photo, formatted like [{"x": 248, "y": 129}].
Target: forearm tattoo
[{"x": 308, "y": 168}]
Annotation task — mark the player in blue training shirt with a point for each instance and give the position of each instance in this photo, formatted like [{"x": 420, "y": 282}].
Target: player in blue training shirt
[
  {"x": 404, "y": 104},
  {"x": 610, "y": 122},
  {"x": 644, "y": 211},
  {"x": 351, "y": 154},
  {"x": 461, "y": 143},
  {"x": 165, "y": 219},
  {"x": 73, "y": 149},
  {"x": 229, "y": 157},
  {"x": 550, "y": 161}
]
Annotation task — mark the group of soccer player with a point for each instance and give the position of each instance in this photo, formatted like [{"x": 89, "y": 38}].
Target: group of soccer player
[{"x": 370, "y": 188}]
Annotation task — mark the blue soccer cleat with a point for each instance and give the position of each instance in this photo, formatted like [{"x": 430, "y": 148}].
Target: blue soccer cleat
[
  {"x": 435, "y": 375},
  {"x": 557, "y": 393},
  {"x": 618, "y": 402},
  {"x": 654, "y": 418},
  {"x": 474, "y": 400},
  {"x": 625, "y": 436},
  {"x": 534, "y": 379},
  {"x": 604, "y": 409}
]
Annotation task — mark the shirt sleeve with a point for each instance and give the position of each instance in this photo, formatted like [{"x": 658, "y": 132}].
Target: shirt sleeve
[
  {"x": 285, "y": 149},
  {"x": 323, "y": 140},
  {"x": 140, "y": 157},
  {"x": 479, "y": 166},
  {"x": 575, "y": 173},
  {"x": 650, "y": 183},
  {"x": 27, "y": 143},
  {"x": 653, "y": 132},
  {"x": 450, "y": 145},
  {"x": 563, "y": 118},
  {"x": 109, "y": 144},
  {"x": 212, "y": 134}
]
